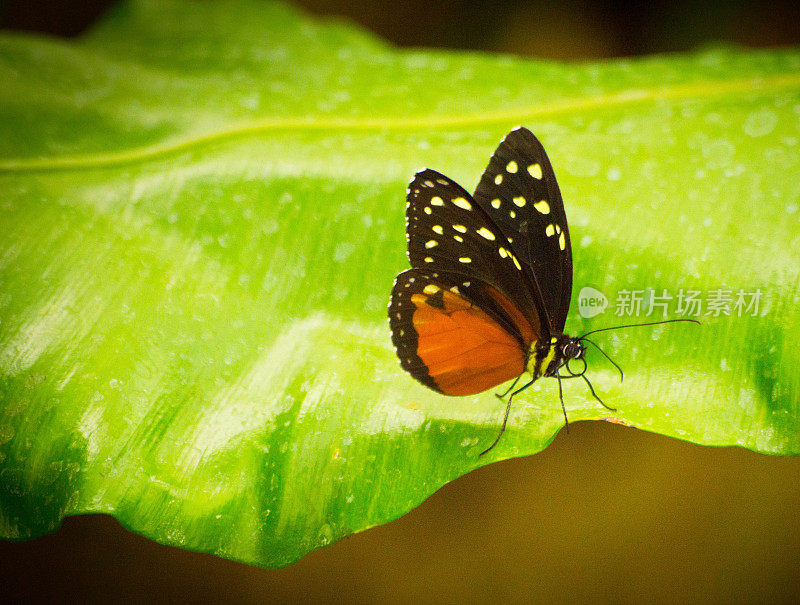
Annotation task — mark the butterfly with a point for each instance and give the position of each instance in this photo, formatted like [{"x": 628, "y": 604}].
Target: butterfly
[{"x": 488, "y": 292}]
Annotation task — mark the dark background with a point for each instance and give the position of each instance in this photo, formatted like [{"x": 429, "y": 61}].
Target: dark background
[
  {"x": 546, "y": 28},
  {"x": 605, "y": 513}
]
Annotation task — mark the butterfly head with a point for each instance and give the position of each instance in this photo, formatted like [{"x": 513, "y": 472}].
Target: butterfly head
[{"x": 573, "y": 349}]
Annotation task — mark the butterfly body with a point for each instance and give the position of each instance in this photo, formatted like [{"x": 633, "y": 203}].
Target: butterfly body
[
  {"x": 498, "y": 262},
  {"x": 547, "y": 358},
  {"x": 488, "y": 293}
]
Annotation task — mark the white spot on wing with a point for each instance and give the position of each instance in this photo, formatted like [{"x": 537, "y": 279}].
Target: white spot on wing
[
  {"x": 462, "y": 203},
  {"x": 511, "y": 166},
  {"x": 486, "y": 234}
]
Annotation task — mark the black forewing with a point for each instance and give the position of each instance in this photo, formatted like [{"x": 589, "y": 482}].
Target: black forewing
[
  {"x": 448, "y": 232},
  {"x": 517, "y": 180}
]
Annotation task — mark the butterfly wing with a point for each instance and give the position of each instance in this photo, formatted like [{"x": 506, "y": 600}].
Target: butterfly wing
[
  {"x": 519, "y": 193},
  {"x": 449, "y": 343},
  {"x": 448, "y": 232}
]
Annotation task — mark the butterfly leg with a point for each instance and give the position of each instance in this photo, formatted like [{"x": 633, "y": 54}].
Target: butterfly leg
[
  {"x": 561, "y": 397},
  {"x": 505, "y": 418},
  {"x": 591, "y": 388},
  {"x": 509, "y": 389}
]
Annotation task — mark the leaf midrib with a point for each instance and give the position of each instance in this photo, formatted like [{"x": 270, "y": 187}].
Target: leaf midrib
[{"x": 703, "y": 89}]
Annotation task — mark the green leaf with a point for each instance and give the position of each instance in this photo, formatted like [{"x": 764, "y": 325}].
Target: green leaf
[{"x": 202, "y": 215}]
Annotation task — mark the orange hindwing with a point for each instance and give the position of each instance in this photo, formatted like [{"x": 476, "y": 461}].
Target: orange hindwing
[{"x": 448, "y": 343}]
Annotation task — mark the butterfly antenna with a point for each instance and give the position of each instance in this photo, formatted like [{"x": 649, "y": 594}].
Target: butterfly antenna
[
  {"x": 591, "y": 388},
  {"x": 616, "y": 365},
  {"x": 505, "y": 419},
  {"x": 651, "y": 323}
]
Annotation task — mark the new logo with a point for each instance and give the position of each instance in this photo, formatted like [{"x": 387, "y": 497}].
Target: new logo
[{"x": 591, "y": 302}]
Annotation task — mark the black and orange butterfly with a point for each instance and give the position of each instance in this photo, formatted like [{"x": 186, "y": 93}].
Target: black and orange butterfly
[{"x": 488, "y": 293}]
